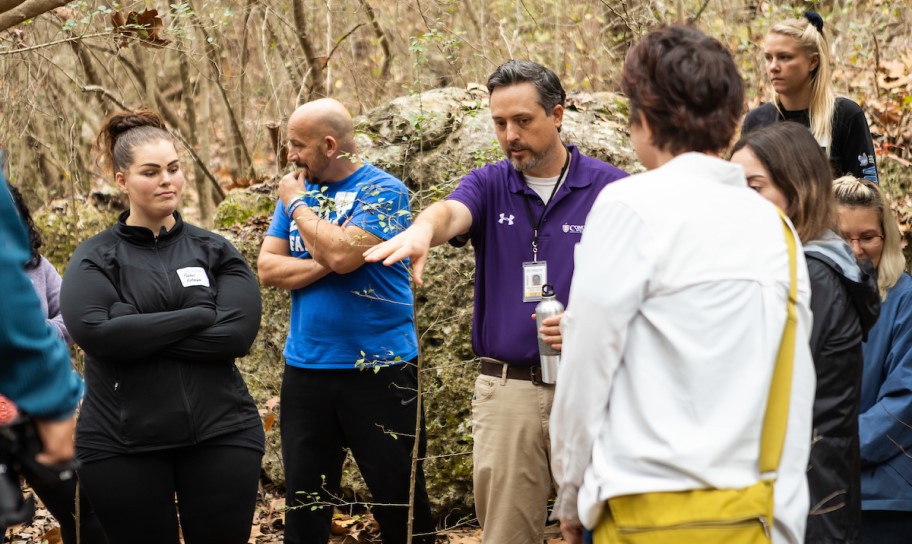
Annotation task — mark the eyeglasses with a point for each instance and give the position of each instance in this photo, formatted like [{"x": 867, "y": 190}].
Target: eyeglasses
[{"x": 867, "y": 241}]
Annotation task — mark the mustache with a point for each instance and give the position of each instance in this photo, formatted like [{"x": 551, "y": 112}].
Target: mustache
[{"x": 516, "y": 147}]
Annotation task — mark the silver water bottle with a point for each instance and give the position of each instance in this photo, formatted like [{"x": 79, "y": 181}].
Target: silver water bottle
[{"x": 550, "y": 357}]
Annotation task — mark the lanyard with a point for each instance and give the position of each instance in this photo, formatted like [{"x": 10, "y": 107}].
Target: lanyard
[{"x": 537, "y": 224}]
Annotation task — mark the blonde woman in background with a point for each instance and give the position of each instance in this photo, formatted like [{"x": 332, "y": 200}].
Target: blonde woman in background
[
  {"x": 885, "y": 423},
  {"x": 798, "y": 66}
]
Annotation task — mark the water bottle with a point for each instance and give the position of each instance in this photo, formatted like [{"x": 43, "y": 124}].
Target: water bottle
[{"x": 550, "y": 357}]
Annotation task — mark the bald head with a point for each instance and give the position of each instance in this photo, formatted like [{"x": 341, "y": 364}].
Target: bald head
[
  {"x": 326, "y": 117},
  {"x": 321, "y": 141}
]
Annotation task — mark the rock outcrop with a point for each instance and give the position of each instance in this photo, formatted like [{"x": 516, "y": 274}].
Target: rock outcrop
[{"x": 430, "y": 141}]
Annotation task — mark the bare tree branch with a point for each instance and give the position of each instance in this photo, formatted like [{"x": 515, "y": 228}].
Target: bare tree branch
[
  {"x": 342, "y": 39},
  {"x": 200, "y": 164},
  {"x": 245, "y": 163},
  {"x": 98, "y": 90},
  {"x": 378, "y": 32},
  {"x": 50, "y": 44},
  {"x": 12, "y": 15},
  {"x": 316, "y": 67}
]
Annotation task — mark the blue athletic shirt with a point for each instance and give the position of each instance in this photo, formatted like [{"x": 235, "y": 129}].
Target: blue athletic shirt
[{"x": 365, "y": 317}]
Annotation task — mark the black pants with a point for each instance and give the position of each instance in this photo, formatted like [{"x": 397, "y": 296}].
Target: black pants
[
  {"x": 216, "y": 489},
  {"x": 886, "y": 527},
  {"x": 372, "y": 414},
  {"x": 60, "y": 500}
]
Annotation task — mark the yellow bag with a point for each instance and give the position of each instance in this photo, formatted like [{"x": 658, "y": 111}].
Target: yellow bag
[{"x": 716, "y": 516}]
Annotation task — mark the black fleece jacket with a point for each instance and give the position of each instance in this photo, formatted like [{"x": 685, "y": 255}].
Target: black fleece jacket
[
  {"x": 161, "y": 320},
  {"x": 844, "y": 311}
]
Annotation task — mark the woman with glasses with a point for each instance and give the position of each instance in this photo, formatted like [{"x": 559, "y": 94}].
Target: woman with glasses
[
  {"x": 785, "y": 165},
  {"x": 798, "y": 66},
  {"x": 885, "y": 423}
]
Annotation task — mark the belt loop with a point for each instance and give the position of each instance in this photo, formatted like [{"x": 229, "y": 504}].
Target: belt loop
[{"x": 503, "y": 374}]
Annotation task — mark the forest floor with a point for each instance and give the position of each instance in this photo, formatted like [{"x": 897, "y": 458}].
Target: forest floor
[{"x": 268, "y": 527}]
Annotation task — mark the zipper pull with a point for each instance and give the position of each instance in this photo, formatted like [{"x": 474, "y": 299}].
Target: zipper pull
[{"x": 766, "y": 527}]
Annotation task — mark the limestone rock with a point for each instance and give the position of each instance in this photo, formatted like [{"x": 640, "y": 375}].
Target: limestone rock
[{"x": 430, "y": 140}]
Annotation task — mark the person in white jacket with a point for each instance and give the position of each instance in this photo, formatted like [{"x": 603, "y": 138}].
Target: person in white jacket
[{"x": 677, "y": 308}]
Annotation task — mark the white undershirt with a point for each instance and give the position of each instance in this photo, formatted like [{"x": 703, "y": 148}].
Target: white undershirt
[{"x": 542, "y": 186}]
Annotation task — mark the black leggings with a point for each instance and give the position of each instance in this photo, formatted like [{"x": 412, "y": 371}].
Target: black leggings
[{"x": 216, "y": 488}]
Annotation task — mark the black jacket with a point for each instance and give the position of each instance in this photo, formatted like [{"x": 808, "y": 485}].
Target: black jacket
[
  {"x": 852, "y": 149},
  {"x": 844, "y": 310},
  {"x": 159, "y": 343}
]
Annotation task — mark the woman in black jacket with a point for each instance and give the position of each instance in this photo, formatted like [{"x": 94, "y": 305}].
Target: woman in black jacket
[
  {"x": 161, "y": 309},
  {"x": 786, "y": 166},
  {"x": 797, "y": 57}
]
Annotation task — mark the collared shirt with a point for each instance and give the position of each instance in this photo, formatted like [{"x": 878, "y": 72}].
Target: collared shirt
[
  {"x": 669, "y": 342},
  {"x": 501, "y": 235}
]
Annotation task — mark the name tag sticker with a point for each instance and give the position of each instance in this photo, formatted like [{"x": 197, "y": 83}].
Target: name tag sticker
[{"x": 193, "y": 275}]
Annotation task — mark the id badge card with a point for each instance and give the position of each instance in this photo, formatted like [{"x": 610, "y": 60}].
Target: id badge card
[{"x": 535, "y": 274}]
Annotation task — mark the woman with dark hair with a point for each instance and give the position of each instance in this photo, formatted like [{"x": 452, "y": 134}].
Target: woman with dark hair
[
  {"x": 42, "y": 273},
  {"x": 58, "y": 497},
  {"x": 798, "y": 66},
  {"x": 162, "y": 308},
  {"x": 682, "y": 286},
  {"x": 785, "y": 165},
  {"x": 867, "y": 222}
]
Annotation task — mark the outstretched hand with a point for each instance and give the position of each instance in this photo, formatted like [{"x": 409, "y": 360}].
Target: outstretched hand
[{"x": 412, "y": 243}]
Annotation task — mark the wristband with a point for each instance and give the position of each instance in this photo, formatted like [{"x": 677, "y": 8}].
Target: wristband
[{"x": 295, "y": 204}]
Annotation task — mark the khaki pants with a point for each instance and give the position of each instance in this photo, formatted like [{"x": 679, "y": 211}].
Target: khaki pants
[{"x": 512, "y": 459}]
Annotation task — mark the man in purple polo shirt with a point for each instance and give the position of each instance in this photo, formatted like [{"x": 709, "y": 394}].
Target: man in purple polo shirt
[{"x": 524, "y": 216}]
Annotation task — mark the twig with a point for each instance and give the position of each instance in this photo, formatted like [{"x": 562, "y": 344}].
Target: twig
[
  {"x": 51, "y": 44},
  {"x": 199, "y": 162},
  {"x": 876, "y": 64},
  {"x": 506, "y": 41},
  {"x": 99, "y": 90},
  {"x": 696, "y": 17},
  {"x": 338, "y": 43},
  {"x": 380, "y": 35},
  {"x": 526, "y": 8},
  {"x": 619, "y": 16}
]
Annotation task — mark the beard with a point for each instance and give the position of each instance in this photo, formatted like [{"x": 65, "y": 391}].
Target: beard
[
  {"x": 529, "y": 163},
  {"x": 313, "y": 169}
]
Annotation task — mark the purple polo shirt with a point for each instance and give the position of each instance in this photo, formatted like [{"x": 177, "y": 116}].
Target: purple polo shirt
[{"x": 501, "y": 235}]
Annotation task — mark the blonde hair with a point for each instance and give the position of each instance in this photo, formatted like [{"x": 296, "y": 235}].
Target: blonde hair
[
  {"x": 852, "y": 192},
  {"x": 823, "y": 96}
]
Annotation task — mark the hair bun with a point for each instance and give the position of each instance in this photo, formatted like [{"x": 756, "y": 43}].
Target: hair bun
[
  {"x": 123, "y": 121},
  {"x": 815, "y": 19}
]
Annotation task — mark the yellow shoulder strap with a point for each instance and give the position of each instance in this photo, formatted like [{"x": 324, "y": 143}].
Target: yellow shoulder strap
[{"x": 777, "y": 407}]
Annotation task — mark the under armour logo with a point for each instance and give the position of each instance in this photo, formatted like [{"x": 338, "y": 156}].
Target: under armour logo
[{"x": 503, "y": 218}]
